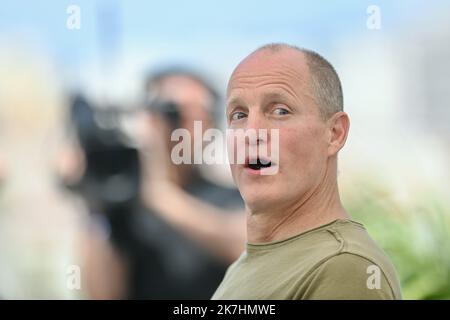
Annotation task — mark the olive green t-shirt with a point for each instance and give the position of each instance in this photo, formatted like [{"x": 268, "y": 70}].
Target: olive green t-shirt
[{"x": 338, "y": 260}]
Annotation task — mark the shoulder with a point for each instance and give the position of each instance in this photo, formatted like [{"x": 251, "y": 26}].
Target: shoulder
[
  {"x": 357, "y": 242},
  {"x": 359, "y": 269},
  {"x": 348, "y": 276}
]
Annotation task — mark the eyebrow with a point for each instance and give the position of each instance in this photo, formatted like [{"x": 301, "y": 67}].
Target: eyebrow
[
  {"x": 277, "y": 95},
  {"x": 274, "y": 94},
  {"x": 233, "y": 101}
]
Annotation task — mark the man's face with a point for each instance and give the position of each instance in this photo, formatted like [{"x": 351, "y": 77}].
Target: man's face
[
  {"x": 271, "y": 90},
  {"x": 193, "y": 99}
]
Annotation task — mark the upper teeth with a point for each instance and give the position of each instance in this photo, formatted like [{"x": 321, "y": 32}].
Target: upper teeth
[{"x": 260, "y": 164}]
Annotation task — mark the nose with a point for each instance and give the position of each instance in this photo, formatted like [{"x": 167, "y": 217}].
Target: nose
[{"x": 257, "y": 129}]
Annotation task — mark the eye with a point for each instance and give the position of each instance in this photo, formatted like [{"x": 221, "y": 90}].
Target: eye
[
  {"x": 280, "y": 111},
  {"x": 237, "y": 115}
]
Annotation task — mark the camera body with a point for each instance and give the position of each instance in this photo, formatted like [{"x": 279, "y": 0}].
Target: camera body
[{"x": 111, "y": 180}]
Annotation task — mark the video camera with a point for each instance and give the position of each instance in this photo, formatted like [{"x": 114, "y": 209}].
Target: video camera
[{"x": 111, "y": 180}]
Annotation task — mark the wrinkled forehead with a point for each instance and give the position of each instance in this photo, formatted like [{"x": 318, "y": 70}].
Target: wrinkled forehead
[{"x": 287, "y": 68}]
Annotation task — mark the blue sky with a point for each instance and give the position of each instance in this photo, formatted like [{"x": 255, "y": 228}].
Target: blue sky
[
  {"x": 146, "y": 23},
  {"x": 205, "y": 34}
]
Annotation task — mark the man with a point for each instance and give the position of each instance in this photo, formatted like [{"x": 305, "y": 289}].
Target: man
[
  {"x": 185, "y": 195},
  {"x": 196, "y": 227},
  {"x": 302, "y": 243},
  {"x": 175, "y": 239}
]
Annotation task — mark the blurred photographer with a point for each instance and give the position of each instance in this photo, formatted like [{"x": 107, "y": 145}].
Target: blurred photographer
[
  {"x": 145, "y": 242},
  {"x": 186, "y": 195}
]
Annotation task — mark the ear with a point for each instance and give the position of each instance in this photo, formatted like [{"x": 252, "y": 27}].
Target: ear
[{"x": 338, "y": 125}]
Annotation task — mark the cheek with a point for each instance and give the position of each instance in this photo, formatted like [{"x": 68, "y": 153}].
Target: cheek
[
  {"x": 301, "y": 148},
  {"x": 236, "y": 175},
  {"x": 233, "y": 169}
]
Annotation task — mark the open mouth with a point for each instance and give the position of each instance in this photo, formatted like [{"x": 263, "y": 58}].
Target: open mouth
[{"x": 258, "y": 163}]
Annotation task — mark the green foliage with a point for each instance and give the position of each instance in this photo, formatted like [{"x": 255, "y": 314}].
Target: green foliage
[{"x": 414, "y": 233}]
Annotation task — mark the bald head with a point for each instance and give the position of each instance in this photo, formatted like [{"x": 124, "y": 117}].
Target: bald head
[{"x": 313, "y": 71}]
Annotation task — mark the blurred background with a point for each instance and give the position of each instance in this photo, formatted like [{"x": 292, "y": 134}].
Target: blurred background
[{"x": 90, "y": 204}]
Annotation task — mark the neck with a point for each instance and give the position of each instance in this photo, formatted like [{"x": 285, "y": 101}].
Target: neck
[{"x": 320, "y": 206}]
